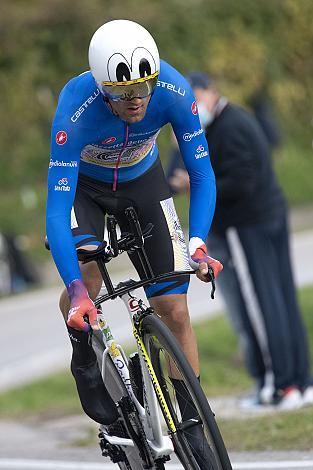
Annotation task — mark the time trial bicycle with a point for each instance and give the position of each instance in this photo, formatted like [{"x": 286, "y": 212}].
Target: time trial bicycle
[{"x": 153, "y": 423}]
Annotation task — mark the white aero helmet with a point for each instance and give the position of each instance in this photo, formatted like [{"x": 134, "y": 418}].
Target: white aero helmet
[{"x": 124, "y": 60}]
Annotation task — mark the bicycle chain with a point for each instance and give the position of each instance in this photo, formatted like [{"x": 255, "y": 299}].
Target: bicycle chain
[{"x": 136, "y": 431}]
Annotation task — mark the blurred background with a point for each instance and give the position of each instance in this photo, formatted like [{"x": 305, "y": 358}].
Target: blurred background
[
  {"x": 254, "y": 48},
  {"x": 251, "y": 47}
]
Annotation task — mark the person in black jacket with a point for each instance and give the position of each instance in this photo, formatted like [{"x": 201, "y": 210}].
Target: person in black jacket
[{"x": 251, "y": 209}]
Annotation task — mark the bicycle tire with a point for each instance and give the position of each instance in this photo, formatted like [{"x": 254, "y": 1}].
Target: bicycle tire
[{"x": 157, "y": 339}]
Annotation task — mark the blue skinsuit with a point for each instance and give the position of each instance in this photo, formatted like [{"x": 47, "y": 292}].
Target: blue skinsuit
[{"x": 87, "y": 138}]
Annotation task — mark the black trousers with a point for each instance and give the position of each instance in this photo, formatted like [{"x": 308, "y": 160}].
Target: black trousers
[{"x": 267, "y": 252}]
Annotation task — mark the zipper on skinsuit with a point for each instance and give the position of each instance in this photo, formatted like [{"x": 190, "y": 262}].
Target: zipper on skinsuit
[{"x": 126, "y": 129}]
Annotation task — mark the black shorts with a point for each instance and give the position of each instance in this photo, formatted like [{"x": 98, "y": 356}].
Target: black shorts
[{"x": 149, "y": 194}]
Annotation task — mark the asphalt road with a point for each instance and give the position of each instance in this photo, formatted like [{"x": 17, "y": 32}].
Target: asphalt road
[
  {"x": 53, "y": 445},
  {"x": 18, "y": 464}
]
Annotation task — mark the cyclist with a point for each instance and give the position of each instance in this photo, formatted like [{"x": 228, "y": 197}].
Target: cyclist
[{"x": 104, "y": 158}]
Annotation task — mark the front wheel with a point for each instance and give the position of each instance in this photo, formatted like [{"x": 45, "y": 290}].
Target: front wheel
[{"x": 197, "y": 441}]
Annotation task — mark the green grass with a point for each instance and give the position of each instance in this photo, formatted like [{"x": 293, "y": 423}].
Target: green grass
[
  {"x": 281, "y": 431},
  {"x": 222, "y": 368},
  {"x": 222, "y": 373},
  {"x": 294, "y": 166},
  {"x": 53, "y": 396}
]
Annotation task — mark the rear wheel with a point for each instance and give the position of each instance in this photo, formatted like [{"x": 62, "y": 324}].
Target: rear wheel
[{"x": 197, "y": 441}]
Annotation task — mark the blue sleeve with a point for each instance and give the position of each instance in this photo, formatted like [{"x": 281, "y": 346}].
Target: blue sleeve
[
  {"x": 62, "y": 180},
  {"x": 194, "y": 149}
]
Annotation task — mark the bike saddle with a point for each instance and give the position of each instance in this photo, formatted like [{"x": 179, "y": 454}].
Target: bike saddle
[
  {"x": 89, "y": 255},
  {"x": 83, "y": 254}
]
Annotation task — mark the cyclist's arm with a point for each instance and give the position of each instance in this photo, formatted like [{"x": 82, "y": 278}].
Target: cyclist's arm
[
  {"x": 62, "y": 180},
  {"x": 195, "y": 153}
]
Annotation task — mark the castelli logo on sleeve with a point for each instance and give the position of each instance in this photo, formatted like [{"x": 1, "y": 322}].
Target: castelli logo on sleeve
[
  {"x": 61, "y": 138},
  {"x": 194, "y": 108},
  {"x": 109, "y": 140}
]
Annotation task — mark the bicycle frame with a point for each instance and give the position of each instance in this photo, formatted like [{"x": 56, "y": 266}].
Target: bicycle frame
[
  {"x": 149, "y": 414},
  {"x": 143, "y": 422},
  {"x": 155, "y": 408}
]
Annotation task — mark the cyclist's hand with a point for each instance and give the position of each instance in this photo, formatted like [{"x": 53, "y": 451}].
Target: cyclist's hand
[
  {"x": 200, "y": 260},
  {"x": 81, "y": 305}
]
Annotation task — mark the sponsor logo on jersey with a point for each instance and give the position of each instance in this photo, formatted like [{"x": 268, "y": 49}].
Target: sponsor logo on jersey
[
  {"x": 61, "y": 138},
  {"x": 71, "y": 164},
  {"x": 188, "y": 136},
  {"x": 109, "y": 140},
  {"x": 62, "y": 185},
  {"x": 194, "y": 108},
  {"x": 63, "y": 181},
  {"x": 107, "y": 156},
  {"x": 85, "y": 105},
  {"x": 171, "y": 87},
  {"x": 201, "y": 152}
]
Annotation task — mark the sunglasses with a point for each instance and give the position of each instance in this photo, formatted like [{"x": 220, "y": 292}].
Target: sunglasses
[{"x": 126, "y": 91}]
